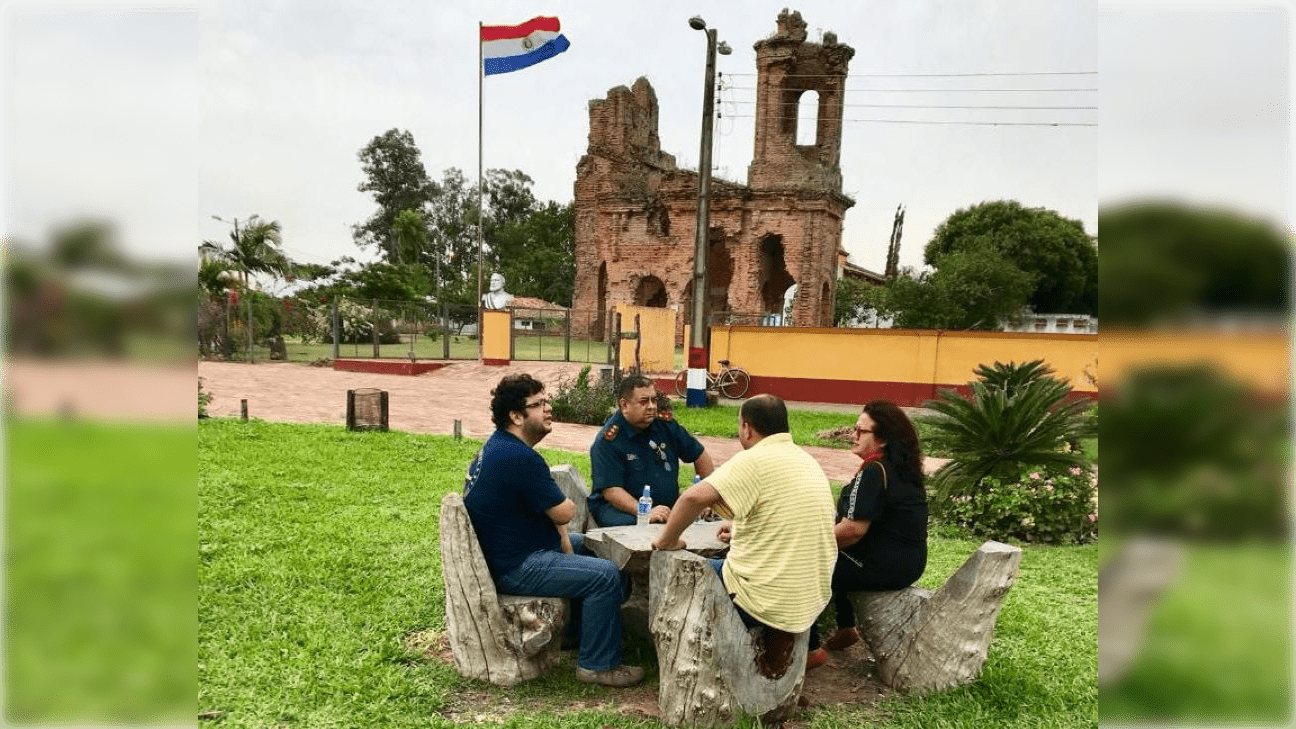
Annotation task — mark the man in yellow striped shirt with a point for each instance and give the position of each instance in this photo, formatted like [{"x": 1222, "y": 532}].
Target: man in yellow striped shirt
[{"x": 782, "y": 550}]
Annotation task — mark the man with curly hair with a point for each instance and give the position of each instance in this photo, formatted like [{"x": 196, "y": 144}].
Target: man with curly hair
[{"x": 520, "y": 516}]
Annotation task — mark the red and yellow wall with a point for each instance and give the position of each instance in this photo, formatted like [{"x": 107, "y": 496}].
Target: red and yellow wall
[{"x": 906, "y": 366}]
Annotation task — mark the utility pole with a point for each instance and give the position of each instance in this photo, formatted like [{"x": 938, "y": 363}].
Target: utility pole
[{"x": 697, "y": 360}]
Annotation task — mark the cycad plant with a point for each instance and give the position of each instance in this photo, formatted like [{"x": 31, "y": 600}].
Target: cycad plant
[
  {"x": 1003, "y": 429},
  {"x": 1012, "y": 377}
]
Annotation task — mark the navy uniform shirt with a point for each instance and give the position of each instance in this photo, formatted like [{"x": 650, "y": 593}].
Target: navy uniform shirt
[{"x": 622, "y": 456}]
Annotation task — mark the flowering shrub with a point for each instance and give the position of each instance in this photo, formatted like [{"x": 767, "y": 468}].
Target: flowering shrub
[
  {"x": 582, "y": 400},
  {"x": 1050, "y": 505}
]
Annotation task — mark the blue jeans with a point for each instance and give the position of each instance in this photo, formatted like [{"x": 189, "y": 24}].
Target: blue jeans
[
  {"x": 748, "y": 620},
  {"x": 608, "y": 515},
  {"x": 594, "y": 581}
]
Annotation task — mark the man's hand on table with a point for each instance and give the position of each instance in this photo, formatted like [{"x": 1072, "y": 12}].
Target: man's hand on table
[
  {"x": 659, "y": 514},
  {"x": 725, "y": 532},
  {"x": 678, "y": 544}
]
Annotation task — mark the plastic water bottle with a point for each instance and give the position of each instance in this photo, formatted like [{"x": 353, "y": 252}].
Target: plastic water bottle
[{"x": 645, "y": 504}]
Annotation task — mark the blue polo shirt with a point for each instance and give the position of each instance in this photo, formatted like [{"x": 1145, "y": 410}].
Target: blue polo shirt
[
  {"x": 507, "y": 490},
  {"x": 622, "y": 456}
]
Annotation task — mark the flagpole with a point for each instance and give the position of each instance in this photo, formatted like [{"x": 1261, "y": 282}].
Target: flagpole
[{"x": 480, "y": 212}]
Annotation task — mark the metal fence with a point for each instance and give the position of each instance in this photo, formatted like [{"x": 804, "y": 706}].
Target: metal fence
[
  {"x": 260, "y": 328},
  {"x": 560, "y": 335}
]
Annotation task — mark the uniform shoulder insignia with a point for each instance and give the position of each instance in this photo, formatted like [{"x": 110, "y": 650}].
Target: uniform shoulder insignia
[{"x": 611, "y": 432}]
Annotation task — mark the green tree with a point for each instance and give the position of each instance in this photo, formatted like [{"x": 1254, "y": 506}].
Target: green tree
[
  {"x": 1056, "y": 251},
  {"x": 971, "y": 289},
  {"x": 540, "y": 258},
  {"x": 254, "y": 247},
  {"x": 409, "y": 236},
  {"x": 1163, "y": 259},
  {"x": 393, "y": 169},
  {"x": 856, "y": 300}
]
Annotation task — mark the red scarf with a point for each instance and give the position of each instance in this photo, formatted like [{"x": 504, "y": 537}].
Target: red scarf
[{"x": 873, "y": 457}]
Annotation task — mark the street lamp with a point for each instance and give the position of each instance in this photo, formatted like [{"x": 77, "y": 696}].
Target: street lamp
[{"x": 697, "y": 342}]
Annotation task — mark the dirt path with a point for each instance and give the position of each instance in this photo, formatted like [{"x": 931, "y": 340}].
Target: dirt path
[{"x": 430, "y": 403}]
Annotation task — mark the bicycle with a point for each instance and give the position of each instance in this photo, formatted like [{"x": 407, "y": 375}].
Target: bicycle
[{"x": 732, "y": 382}]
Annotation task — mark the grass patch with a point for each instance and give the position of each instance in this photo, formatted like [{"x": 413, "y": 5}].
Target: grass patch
[
  {"x": 1218, "y": 646},
  {"x": 805, "y": 425},
  {"x": 319, "y": 553}
]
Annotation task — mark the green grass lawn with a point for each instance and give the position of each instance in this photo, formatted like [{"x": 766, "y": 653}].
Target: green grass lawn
[
  {"x": 722, "y": 421},
  {"x": 318, "y": 555},
  {"x": 1218, "y": 646}
]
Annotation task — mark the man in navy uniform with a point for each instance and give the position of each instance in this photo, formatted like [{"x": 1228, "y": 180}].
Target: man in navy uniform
[{"x": 634, "y": 448}]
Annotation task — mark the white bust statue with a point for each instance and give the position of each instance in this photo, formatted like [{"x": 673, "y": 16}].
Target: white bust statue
[{"x": 497, "y": 297}]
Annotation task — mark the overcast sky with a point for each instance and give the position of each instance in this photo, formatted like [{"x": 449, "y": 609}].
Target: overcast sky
[{"x": 159, "y": 120}]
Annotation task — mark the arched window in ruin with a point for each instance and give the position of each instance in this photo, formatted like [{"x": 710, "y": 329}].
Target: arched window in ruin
[
  {"x": 825, "y": 306},
  {"x": 807, "y": 130},
  {"x": 720, "y": 270},
  {"x": 774, "y": 277},
  {"x": 651, "y": 292}
]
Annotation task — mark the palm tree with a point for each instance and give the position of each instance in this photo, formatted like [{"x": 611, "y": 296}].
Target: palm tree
[
  {"x": 409, "y": 236},
  {"x": 253, "y": 248},
  {"x": 999, "y": 430}
]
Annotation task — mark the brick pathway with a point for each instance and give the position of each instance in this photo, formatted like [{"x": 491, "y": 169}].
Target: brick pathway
[{"x": 430, "y": 403}]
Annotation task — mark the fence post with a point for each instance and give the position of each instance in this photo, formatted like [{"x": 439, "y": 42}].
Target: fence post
[
  {"x": 567, "y": 337},
  {"x": 251, "y": 357},
  {"x": 512, "y": 336},
  {"x": 638, "y": 344},
  {"x": 374, "y": 319},
  {"x": 243, "y": 409},
  {"x": 445, "y": 330},
  {"x": 337, "y": 333},
  {"x": 615, "y": 339},
  {"x": 413, "y": 331}
]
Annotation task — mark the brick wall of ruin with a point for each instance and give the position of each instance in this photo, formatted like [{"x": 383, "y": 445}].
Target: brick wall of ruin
[{"x": 636, "y": 211}]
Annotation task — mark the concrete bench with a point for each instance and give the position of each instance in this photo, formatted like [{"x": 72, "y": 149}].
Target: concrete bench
[
  {"x": 500, "y": 639},
  {"x": 927, "y": 641}
]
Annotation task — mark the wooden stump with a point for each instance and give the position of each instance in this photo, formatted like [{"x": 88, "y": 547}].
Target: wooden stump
[
  {"x": 707, "y": 659},
  {"x": 573, "y": 486},
  {"x": 925, "y": 641},
  {"x": 500, "y": 639}
]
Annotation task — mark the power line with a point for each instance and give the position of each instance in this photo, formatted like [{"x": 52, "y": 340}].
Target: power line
[
  {"x": 942, "y": 91},
  {"x": 930, "y": 75},
  {"x": 944, "y": 106},
  {"x": 967, "y": 123}
]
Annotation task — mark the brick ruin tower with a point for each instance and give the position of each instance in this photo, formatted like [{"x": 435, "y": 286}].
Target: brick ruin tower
[{"x": 636, "y": 211}]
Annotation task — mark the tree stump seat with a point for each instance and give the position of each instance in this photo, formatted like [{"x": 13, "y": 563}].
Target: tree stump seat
[
  {"x": 500, "y": 639},
  {"x": 712, "y": 669},
  {"x": 927, "y": 641}
]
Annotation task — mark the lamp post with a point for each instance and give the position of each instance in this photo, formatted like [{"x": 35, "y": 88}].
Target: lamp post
[{"x": 697, "y": 360}]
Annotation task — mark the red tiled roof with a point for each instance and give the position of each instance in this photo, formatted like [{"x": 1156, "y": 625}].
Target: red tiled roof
[{"x": 530, "y": 302}]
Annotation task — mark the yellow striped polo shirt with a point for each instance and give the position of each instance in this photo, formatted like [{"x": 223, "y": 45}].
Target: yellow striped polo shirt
[{"x": 781, "y": 557}]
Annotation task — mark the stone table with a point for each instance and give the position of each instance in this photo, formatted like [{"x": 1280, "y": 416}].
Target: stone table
[{"x": 630, "y": 549}]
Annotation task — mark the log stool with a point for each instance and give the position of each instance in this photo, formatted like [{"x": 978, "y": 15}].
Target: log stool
[
  {"x": 925, "y": 641},
  {"x": 500, "y": 639},
  {"x": 712, "y": 669}
]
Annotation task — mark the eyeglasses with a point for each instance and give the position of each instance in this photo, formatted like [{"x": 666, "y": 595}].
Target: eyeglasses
[
  {"x": 537, "y": 404},
  {"x": 862, "y": 431}
]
